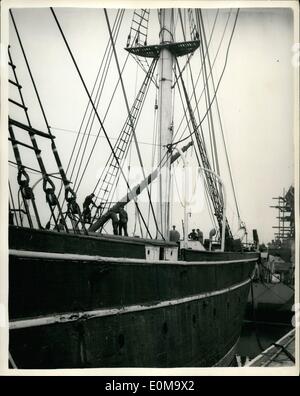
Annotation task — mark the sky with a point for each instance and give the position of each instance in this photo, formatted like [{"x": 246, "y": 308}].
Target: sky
[{"x": 255, "y": 100}]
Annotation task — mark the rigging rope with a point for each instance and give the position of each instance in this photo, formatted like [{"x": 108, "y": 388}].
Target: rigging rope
[
  {"x": 91, "y": 117},
  {"x": 13, "y": 203},
  {"x": 81, "y": 125},
  {"x": 88, "y": 104},
  {"x": 219, "y": 81},
  {"x": 137, "y": 106},
  {"x": 210, "y": 125},
  {"x": 19, "y": 206},
  {"x": 220, "y": 121},
  {"x": 185, "y": 110},
  {"x": 64, "y": 178},
  {"x": 131, "y": 121},
  {"x": 99, "y": 92},
  {"x": 214, "y": 195},
  {"x": 89, "y": 96},
  {"x": 100, "y": 137},
  {"x": 214, "y": 61},
  {"x": 33, "y": 171},
  {"x": 104, "y": 118},
  {"x": 208, "y": 202},
  {"x": 154, "y": 140},
  {"x": 48, "y": 186},
  {"x": 98, "y": 134},
  {"x": 130, "y": 152}
]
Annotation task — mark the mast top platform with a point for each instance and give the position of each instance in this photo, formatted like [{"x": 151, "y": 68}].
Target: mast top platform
[{"x": 153, "y": 51}]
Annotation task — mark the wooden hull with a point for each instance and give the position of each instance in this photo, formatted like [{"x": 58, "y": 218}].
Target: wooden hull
[{"x": 72, "y": 310}]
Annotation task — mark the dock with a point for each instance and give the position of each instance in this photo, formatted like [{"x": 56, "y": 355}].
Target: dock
[{"x": 279, "y": 354}]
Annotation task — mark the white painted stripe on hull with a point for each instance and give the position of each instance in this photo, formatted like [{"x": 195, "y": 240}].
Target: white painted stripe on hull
[
  {"x": 82, "y": 257},
  {"x": 74, "y": 316}
]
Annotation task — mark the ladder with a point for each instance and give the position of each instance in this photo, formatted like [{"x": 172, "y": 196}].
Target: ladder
[
  {"x": 112, "y": 166},
  {"x": 139, "y": 28},
  {"x": 23, "y": 178},
  {"x": 138, "y": 34},
  {"x": 193, "y": 29}
]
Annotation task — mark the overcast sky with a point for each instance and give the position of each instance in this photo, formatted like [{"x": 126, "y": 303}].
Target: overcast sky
[{"x": 255, "y": 99}]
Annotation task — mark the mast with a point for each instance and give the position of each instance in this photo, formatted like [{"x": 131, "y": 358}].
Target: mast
[
  {"x": 165, "y": 128},
  {"x": 166, "y": 52}
]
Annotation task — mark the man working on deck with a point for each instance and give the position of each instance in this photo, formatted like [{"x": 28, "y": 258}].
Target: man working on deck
[
  {"x": 123, "y": 216},
  {"x": 115, "y": 221},
  {"x": 86, "y": 213},
  {"x": 200, "y": 236},
  {"x": 192, "y": 235},
  {"x": 174, "y": 235}
]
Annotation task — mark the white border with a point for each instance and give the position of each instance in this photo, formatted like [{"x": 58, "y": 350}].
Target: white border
[{"x": 5, "y": 4}]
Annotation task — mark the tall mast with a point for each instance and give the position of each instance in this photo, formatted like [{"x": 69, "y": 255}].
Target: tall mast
[
  {"x": 165, "y": 129},
  {"x": 166, "y": 52}
]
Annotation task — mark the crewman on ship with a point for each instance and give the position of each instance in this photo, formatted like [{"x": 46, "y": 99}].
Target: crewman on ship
[
  {"x": 199, "y": 235},
  {"x": 123, "y": 219},
  {"x": 174, "y": 235},
  {"x": 86, "y": 212},
  {"x": 212, "y": 233},
  {"x": 115, "y": 220},
  {"x": 192, "y": 235}
]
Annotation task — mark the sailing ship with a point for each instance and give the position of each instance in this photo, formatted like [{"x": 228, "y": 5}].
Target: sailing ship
[{"x": 81, "y": 296}]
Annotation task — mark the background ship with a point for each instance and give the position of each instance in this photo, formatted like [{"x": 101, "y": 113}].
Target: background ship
[
  {"x": 83, "y": 298},
  {"x": 273, "y": 287}
]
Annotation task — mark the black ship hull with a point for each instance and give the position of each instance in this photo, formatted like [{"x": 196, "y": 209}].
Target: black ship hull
[{"x": 97, "y": 308}]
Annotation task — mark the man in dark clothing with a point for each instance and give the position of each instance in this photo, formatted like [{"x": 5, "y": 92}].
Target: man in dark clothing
[
  {"x": 174, "y": 235},
  {"x": 86, "y": 213},
  {"x": 123, "y": 216},
  {"x": 115, "y": 221},
  {"x": 192, "y": 235},
  {"x": 200, "y": 235}
]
